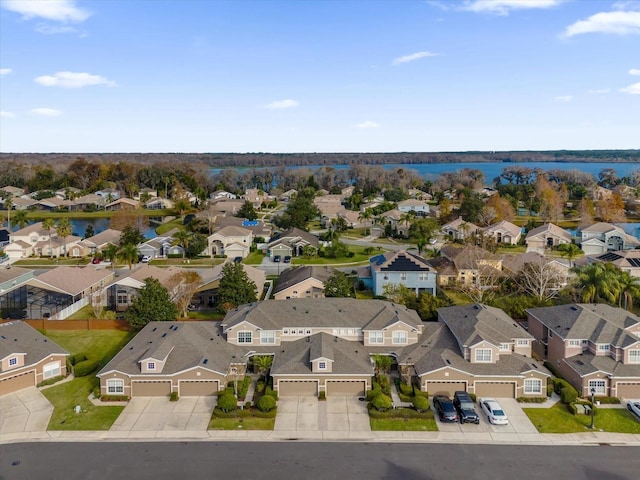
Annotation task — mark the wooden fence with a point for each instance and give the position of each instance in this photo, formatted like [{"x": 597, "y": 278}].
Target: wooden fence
[{"x": 88, "y": 324}]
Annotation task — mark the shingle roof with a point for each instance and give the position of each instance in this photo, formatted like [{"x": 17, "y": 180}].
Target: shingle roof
[
  {"x": 514, "y": 230},
  {"x": 106, "y": 236},
  {"x": 550, "y": 228},
  {"x": 190, "y": 344},
  {"x": 322, "y": 312},
  {"x": 401, "y": 261},
  {"x": 19, "y": 337},
  {"x": 293, "y": 276},
  {"x": 295, "y": 233},
  {"x": 587, "y": 363},
  {"x": 233, "y": 231},
  {"x": 73, "y": 280}
]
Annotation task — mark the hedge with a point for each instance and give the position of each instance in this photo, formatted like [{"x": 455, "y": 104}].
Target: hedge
[
  {"x": 401, "y": 413},
  {"x": 227, "y": 402},
  {"x": 84, "y": 368},
  {"x": 381, "y": 402},
  {"x": 50, "y": 381},
  {"x": 568, "y": 395},
  {"x": 531, "y": 399},
  {"x": 247, "y": 412},
  {"x": 421, "y": 404},
  {"x": 114, "y": 398},
  {"x": 243, "y": 387},
  {"x": 173, "y": 397},
  {"x": 266, "y": 403},
  {"x": 607, "y": 400}
]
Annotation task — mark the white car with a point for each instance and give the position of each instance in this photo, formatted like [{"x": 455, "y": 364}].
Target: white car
[
  {"x": 493, "y": 411},
  {"x": 634, "y": 407},
  {"x": 146, "y": 259}
]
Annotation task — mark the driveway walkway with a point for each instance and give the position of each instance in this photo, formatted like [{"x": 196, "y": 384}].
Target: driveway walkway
[
  {"x": 336, "y": 414},
  {"x": 25, "y": 411},
  {"x": 154, "y": 414}
]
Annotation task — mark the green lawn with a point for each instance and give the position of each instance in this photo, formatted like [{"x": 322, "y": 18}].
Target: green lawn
[
  {"x": 48, "y": 262},
  {"x": 458, "y": 298},
  {"x": 360, "y": 257},
  {"x": 557, "y": 419},
  {"x": 246, "y": 423},
  {"x": 404, "y": 424},
  {"x": 95, "y": 344},
  {"x": 254, "y": 258},
  {"x": 66, "y": 396}
]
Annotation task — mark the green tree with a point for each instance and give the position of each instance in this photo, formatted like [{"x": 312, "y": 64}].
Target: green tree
[
  {"x": 197, "y": 245},
  {"x": 48, "y": 224},
  {"x": 128, "y": 253},
  {"x": 88, "y": 232},
  {"x": 629, "y": 287},
  {"x": 152, "y": 303},
  {"x": 262, "y": 363},
  {"x": 20, "y": 218},
  {"x": 382, "y": 363},
  {"x": 598, "y": 282},
  {"x": 471, "y": 206},
  {"x": 570, "y": 251},
  {"x": 110, "y": 252},
  {"x": 236, "y": 288},
  {"x": 428, "y": 305},
  {"x": 63, "y": 229},
  {"x": 8, "y": 204},
  {"x": 247, "y": 211},
  {"x": 182, "y": 238},
  {"x": 339, "y": 285},
  {"x": 365, "y": 216},
  {"x": 299, "y": 212},
  {"x": 422, "y": 230},
  {"x": 131, "y": 236}
]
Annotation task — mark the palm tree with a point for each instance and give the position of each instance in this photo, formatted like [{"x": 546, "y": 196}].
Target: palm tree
[
  {"x": 8, "y": 204},
  {"x": 128, "y": 253},
  {"x": 263, "y": 364},
  {"x": 63, "y": 229},
  {"x": 382, "y": 363},
  {"x": 365, "y": 216},
  {"x": 20, "y": 218},
  {"x": 48, "y": 224},
  {"x": 570, "y": 251},
  {"x": 182, "y": 238},
  {"x": 111, "y": 252},
  {"x": 599, "y": 282},
  {"x": 629, "y": 289}
]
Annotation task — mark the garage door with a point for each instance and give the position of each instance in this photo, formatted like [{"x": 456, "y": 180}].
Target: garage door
[
  {"x": 345, "y": 388},
  {"x": 628, "y": 390},
  {"x": 198, "y": 389},
  {"x": 289, "y": 388},
  {"x": 445, "y": 388},
  {"x": 18, "y": 382},
  {"x": 150, "y": 389},
  {"x": 495, "y": 389}
]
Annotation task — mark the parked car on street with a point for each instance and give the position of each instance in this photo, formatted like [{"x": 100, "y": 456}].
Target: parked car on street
[
  {"x": 493, "y": 411},
  {"x": 466, "y": 409},
  {"x": 634, "y": 407},
  {"x": 445, "y": 409}
]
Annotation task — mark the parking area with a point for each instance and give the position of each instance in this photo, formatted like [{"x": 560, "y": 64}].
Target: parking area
[
  {"x": 519, "y": 423},
  {"x": 24, "y": 411},
  {"x": 336, "y": 413},
  {"x": 145, "y": 414}
]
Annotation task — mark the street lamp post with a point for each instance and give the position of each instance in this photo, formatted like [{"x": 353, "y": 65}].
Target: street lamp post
[{"x": 593, "y": 392}]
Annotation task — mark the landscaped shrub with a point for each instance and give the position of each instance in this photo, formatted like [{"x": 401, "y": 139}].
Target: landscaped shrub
[
  {"x": 421, "y": 404},
  {"x": 568, "y": 394},
  {"x": 549, "y": 389},
  {"x": 419, "y": 393},
  {"x": 607, "y": 400},
  {"x": 173, "y": 397},
  {"x": 84, "y": 368},
  {"x": 247, "y": 405},
  {"x": 385, "y": 384},
  {"x": 227, "y": 403},
  {"x": 552, "y": 368},
  {"x": 381, "y": 402},
  {"x": 401, "y": 413},
  {"x": 243, "y": 387},
  {"x": 322, "y": 396},
  {"x": 406, "y": 389},
  {"x": 266, "y": 403},
  {"x": 114, "y": 398},
  {"x": 260, "y": 386},
  {"x": 272, "y": 393},
  {"x": 531, "y": 399},
  {"x": 50, "y": 381},
  {"x": 474, "y": 397}
]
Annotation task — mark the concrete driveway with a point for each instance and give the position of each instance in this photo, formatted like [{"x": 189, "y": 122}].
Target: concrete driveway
[
  {"x": 25, "y": 411},
  {"x": 146, "y": 414},
  {"x": 339, "y": 413}
]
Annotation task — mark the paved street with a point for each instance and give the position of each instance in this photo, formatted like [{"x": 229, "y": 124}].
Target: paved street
[{"x": 313, "y": 461}]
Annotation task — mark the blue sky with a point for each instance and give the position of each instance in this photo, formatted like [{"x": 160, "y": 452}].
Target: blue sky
[{"x": 318, "y": 76}]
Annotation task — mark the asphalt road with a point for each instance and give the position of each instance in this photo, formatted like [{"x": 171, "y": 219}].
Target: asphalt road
[{"x": 294, "y": 460}]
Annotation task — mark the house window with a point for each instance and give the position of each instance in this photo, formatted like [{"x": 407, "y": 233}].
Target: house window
[
  {"x": 423, "y": 276},
  {"x": 574, "y": 343},
  {"x": 267, "y": 337},
  {"x": 244, "y": 337},
  {"x": 322, "y": 365},
  {"x": 483, "y": 355},
  {"x": 600, "y": 386},
  {"x": 403, "y": 276},
  {"x": 300, "y": 331},
  {"x": 505, "y": 347},
  {"x": 603, "y": 347},
  {"x": 122, "y": 297},
  {"x": 634, "y": 356},
  {"x": 533, "y": 386},
  {"x": 13, "y": 361},
  {"x": 308, "y": 331},
  {"x": 51, "y": 370},
  {"x": 399, "y": 338},
  {"x": 151, "y": 365},
  {"x": 285, "y": 331},
  {"x": 585, "y": 342},
  {"x": 115, "y": 386},
  {"x": 523, "y": 342},
  {"x": 376, "y": 337}
]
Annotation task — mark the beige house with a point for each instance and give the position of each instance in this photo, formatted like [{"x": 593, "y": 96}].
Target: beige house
[
  {"x": 27, "y": 357},
  {"x": 302, "y": 282},
  {"x": 603, "y": 237},
  {"x": 459, "y": 229},
  {"x": 206, "y": 294},
  {"x": 291, "y": 242},
  {"x": 231, "y": 241},
  {"x": 546, "y": 237},
  {"x": 627, "y": 260},
  {"x": 503, "y": 232},
  {"x": 468, "y": 264}
]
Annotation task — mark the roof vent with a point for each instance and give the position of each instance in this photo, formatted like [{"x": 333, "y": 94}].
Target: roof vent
[
  {"x": 164, "y": 335},
  {"x": 534, "y": 365},
  {"x": 294, "y": 307},
  {"x": 211, "y": 339},
  {"x": 130, "y": 348},
  {"x": 476, "y": 307},
  {"x": 448, "y": 362},
  {"x": 205, "y": 361},
  {"x": 306, "y": 311},
  {"x": 154, "y": 329},
  {"x": 579, "y": 362},
  {"x": 573, "y": 307}
]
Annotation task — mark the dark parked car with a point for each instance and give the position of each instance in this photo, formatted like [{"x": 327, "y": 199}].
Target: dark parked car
[
  {"x": 237, "y": 260},
  {"x": 276, "y": 258},
  {"x": 287, "y": 259},
  {"x": 466, "y": 409},
  {"x": 445, "y": 409}
]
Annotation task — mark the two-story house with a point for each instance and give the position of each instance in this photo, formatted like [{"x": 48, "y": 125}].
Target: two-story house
[
  {"x": 593, "y": 346},
  {"x": 627, "y": 260},
  {"x": 603, "y": 237},
  {"x": 27, "y": 357},
  {"x": 231, "y": 241},
  {"x": 420, "y": 207},
  {"x": 302, "y": 282},
  {"x": 546, "y": 237},
  {"x": 399, "y": 268},
  {"x": 466, "y": 265}
]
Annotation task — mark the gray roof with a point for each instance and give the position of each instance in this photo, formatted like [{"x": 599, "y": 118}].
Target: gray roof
[
  {"x": 188, "y": 344},
  {"x": 74, "y": 280},
  {"x": 467, "y": 257},
  {"x": 106, "y": 236},
  {"x": 294, "y": 233},
  {"x": 437, "y": 348},
  {"x": 348, "y": 357},
  {"x": 549, "y": 228},
  {"x": 587, "y": 363},
  {"x": 20, "y": 337},
  {"x": 294, "y": 276},
  {"x": 598, "y": 323},
  {"x": 322, "y": 312},
  {"x": 473, "y": 323},
  {"x": 401, "y": 261}
]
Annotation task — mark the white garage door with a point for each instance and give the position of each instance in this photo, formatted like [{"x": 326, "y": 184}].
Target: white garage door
[
  {"x": 290, "y": 388},
  {"x": 352, "y": 388}
]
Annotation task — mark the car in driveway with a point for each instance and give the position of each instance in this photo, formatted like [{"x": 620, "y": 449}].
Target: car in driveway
[
  {"x": 466, "y": 410},
  {"x": 634, "y": 407},
  {"x": 146, "y": 259},
  {"x": 445, "y": 409},
  {"x": 276, "y": 258},
  {"x": 287, "y": 259},
  {"x": 494, "y": 412}
]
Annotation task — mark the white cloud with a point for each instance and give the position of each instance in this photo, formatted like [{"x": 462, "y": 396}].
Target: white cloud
[
  {"x": 46, "y": 112},
  {"x": 618, "y": 23},
  {"x": 634, "y": 71},
  {"x": 563, "y": 98},
  {"x": 4, "y": 114},
  {"x": 73, "y": 80},
  {"x": 633, "y": 89},
  {"x": 47, "y": 29},
  {"x": 599, "y": 91},
  {"x": 368, "y": 124},
  {"x": 412, "y": 57},
  {"x": 56, "y": 10},
  {"x": 5, "y": 71},
  {"x": 280, "y": 104},
  {"x": 503, "y": 7}
]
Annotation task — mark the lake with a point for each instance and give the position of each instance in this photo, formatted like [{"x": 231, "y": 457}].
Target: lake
[{"x": 99, "y": 225}]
